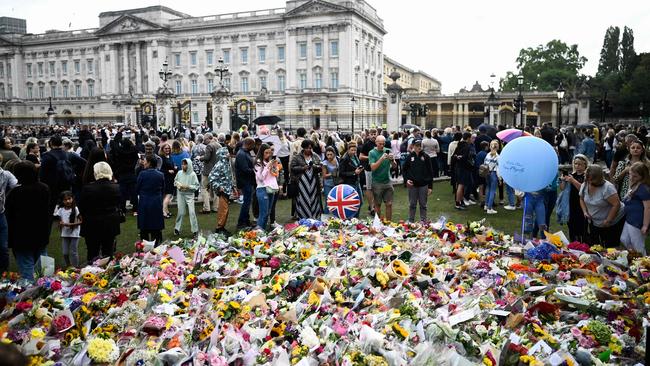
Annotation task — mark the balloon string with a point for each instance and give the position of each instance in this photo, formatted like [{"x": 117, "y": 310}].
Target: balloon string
[{"x": 523, "y": 220}]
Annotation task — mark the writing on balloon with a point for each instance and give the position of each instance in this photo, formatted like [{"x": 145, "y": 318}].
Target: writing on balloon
[{"x": 513, "y": 167}]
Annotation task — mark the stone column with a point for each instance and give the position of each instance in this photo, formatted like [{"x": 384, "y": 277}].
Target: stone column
[
  {"x": 394, "y": 117},
  {"x": 465, "y": 114},
  {"x": 554, "y": 113},
  {"x": 125, "y": 68},
  {"x": 138, "y": 70},
  {"x": 114, "y": 71},
  {"x": 438, "y": 115}
]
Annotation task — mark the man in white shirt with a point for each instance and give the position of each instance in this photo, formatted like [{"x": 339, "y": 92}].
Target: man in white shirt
[{"x": 431, "y": 147}]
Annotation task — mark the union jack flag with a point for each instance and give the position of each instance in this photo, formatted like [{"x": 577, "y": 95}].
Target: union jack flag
[{"x": 343, "y": 201}]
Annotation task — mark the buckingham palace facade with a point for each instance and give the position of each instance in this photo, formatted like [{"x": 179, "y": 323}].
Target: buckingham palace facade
[{"x": 313, "y": 56}]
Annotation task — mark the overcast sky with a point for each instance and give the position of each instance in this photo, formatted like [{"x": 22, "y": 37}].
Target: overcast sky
[{"x": 456, "y": 41}]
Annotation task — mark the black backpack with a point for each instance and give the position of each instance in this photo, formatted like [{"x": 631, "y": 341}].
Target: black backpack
[
  {"x": 404, "y": 146},
  {"x": 66, "y": 176}
]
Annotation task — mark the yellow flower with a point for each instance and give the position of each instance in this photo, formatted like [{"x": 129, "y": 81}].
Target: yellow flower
[
  {"x": 277, "y": 288},
  {"x": 384, "y": 249},
  {"x": 305, "y": 253},
  {"x": 322, "y": 263},
  {"x": 87, "y": 297},
  {"x": 338, "y": 297},
  {"x": 510, "y": 275},
  {"x": 168, "y": 285},
  {"x": 487, "y": 361},
  {"x": 314, "y": 299},
  {"x": 234, "y": 305},
  {"x": 381, "y": 277},
  {"x": 103, "y": 283},
  {"x": 37, "y": 333},
  {"x": 530, "y": 360},
  {"x": 190, "y": 277},
  {"x": 401, "y": 332}
]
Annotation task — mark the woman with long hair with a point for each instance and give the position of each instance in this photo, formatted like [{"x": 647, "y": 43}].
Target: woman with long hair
[
  {"x": 636, "y": 154},
  {"x": 283, "y": 152},
  {"x": 169, "y": 172},
  {"x": 637, "y": 209},
  {"x": 178, "y": 154},
  {"x": 330, "y": 170},
  {"x": 96, "y": 155},
  {"x": 576, "y": 222},
  {"x": 492, "y": 180},
  {"x": 266, "y": 172}
]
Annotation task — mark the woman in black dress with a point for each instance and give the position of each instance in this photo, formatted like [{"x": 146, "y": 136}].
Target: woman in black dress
[
  {"x": 169, "y": 171},
  {"x": 576, "y": 221}
]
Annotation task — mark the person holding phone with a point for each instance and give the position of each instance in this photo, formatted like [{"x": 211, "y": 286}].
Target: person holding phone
[
  {"x": 350, "y": 170},
  {"x": 381, "y": 160}
]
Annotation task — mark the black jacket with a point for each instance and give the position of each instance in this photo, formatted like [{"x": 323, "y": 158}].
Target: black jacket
[
  {"x": 98, "y": 207},
  {"x": 417, "y": 168},
  {"x": 347, "y": 166},
  {"x": 29, "y": 216},
  {"x": 244, "y": 169},
  {"x": 48, "y": 173}
]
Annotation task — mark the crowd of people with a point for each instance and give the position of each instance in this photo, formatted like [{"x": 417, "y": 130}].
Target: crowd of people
[{"x": 90, "y": 177}]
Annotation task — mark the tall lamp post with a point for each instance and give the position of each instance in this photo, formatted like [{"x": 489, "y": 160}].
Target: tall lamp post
[
  {"x": 221, "y": 95},
  {"x": 520, "y": 101},
  {"x": 491, "y": 102},
  {"x": 164, "y": 96},
  {"x": 641, "y": 111},
  {"x": 560, "y": 95},
  {"x": 353, "y": 101},
  {"x": 50, "y": 114}
]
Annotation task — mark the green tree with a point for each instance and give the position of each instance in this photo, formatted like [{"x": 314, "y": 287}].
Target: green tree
[
  {"x": 610, "y": 53},
  {"x": 545, "y": 66},
  {"x": 637, "y": 89},
  {"x": 628, "y": 55}
]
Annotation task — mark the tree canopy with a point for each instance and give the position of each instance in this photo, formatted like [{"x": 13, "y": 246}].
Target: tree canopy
[{"x": 545, "y": 66}]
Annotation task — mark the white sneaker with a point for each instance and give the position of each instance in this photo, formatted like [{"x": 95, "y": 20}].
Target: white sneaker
[
  {"x": 509, "y": 208},
  {"x": 491, "y": 212},
  {"x": 469, "y": 202}
]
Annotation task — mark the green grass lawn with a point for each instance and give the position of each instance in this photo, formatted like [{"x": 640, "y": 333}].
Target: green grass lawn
[{"x": 440, "y": 203}]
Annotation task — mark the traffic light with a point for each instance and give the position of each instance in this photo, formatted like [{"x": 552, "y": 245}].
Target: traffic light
[
  {"x": 425, "y": 110},
  {"x": 515, "y": 105}
]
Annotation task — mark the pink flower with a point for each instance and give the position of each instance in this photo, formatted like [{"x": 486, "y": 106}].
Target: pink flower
[
  {"x": 564, "y": 275},
  {"x": 274, "y": 262}
]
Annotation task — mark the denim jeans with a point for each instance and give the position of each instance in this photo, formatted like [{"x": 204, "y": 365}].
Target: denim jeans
[
  {"x": 535, "y": 211},
  {"x": 244, "y": 217},
  {"x": 264, "y": 199},
  {"x": 511, "y": 195},
  {"x": 550, "y": 198},
  {"x": 4, "y": 243},
  {"x": 492, "y": 182},
  {"x": 27, "y": 261}
]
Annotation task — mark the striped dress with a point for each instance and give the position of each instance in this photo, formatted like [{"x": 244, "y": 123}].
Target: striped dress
[{"x": 308, "y": 203}]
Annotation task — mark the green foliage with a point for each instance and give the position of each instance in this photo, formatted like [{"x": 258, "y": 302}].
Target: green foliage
[
  {"x": 628, "y": 55},
  {"x": 545, "y": 66},
  {"x": 637, "y": 89},
  {"x": 610, "y": 53}
]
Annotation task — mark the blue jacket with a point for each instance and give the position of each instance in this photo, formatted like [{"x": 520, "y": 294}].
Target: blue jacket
[{"x": 588, "y": 148}]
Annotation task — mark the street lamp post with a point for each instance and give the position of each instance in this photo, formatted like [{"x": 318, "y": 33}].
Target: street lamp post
[
  {"x": 164, "y": 96},
  {"x": 353, "y": 101},
  {"x": 221, "y": 95},
  {"x": 491, "y": 102},
  {"x": 221, "y": 69},
  {"x": 520, "y": 101},
  {"x": 50, "y": 114},
  {"x": 560, "y": 95}
]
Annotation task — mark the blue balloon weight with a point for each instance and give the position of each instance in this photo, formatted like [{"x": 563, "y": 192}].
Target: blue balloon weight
[{"x": 528, "y": 164}]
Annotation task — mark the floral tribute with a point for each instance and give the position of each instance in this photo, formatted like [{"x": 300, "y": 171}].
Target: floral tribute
[{"x": 339, "y": 293}]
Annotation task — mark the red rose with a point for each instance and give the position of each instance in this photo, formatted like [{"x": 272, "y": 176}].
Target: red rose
[
  {"x": 55, "y": 286},
  {"x": 23, "y": 306}
]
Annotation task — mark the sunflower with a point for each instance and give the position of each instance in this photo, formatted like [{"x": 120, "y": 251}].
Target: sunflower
[
  {"x": 400, "y": 268},
  {"x": 305, "y": 253}
]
